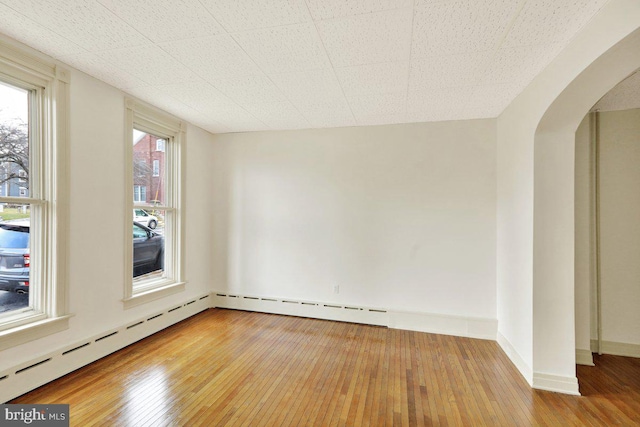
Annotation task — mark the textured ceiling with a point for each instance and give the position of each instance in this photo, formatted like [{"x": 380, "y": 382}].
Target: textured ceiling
[
  {"x": 624, "y": 96},
  {"x": 244, "y": 65}
]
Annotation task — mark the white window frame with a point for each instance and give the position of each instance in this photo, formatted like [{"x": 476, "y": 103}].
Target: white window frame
[
  {"x": 48, "y": 85},
  {"x": 156, "y": 122},
  {"x": 160, "y": 144}
]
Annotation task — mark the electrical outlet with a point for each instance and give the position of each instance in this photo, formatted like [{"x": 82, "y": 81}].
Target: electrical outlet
[{"x": 336, "y": 289}]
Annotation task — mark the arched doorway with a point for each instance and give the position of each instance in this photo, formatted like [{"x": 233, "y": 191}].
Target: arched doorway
[{"x": 536, "y": 138}]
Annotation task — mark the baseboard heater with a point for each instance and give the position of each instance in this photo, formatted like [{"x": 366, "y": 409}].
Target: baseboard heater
[
  {"x": 312, "y": 309},
  {"x": 36, "y": 372}
]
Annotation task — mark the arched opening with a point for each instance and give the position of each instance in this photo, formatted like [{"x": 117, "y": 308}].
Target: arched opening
[
  {"x": 607, "y": 235},
  {"x": 554, "y": 196}
]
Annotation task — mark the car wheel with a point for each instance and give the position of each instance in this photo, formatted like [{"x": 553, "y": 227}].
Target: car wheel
[{"x": 152, "y": 224}]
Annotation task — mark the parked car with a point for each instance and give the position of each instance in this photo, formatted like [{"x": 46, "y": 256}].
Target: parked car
[
  {"x": 14, "y": 255},
  {"x": 148, "y": 253},
  {"x": 148, "y": 250},
  {"x": 145, "y": 218}
]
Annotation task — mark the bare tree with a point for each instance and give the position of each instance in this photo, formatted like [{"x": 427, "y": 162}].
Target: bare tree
[{"x": 14, "y": 152}]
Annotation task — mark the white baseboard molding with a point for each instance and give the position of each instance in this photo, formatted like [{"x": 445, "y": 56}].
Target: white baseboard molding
[
  {"x": 460, "y": 326},
  {"x": 559, "y": 384},
  {"x": 516, "y": 359},
  {"x": 584, "y": 357},
  {"x": 420, "y": 322},
  {"x": 27, "y": 376},
  {"x": 617, "y": 348}
]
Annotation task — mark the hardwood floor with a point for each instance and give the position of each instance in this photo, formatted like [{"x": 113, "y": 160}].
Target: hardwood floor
[{"x": 224, "y": 368}]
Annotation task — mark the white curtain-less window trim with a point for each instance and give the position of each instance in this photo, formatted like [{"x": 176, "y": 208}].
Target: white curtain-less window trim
[
  {"x": 144, "y": 118},
  {"x": 48, "y": 88}
]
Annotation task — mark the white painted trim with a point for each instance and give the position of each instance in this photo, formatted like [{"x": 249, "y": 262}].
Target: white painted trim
[
  {"x": 49, "y": 154},
  {"x": 470, "y": 327},
  {"x": 144, "y": 117},
  {"x": 584, "y": 357},
  {"x": 619, "y": 348},
  {"x": 153, "y": 294},
  {"x": 33, "y": 331},
  {"x": 27, "y": 376},
  {"x": 516, "y": 359},
  {"x": 422, "y": 322},
  {"x": 556, "y": 383}
]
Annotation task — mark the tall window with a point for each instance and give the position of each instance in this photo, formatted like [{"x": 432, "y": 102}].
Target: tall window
[
  {"x": 154, "y": 239},
  {"x": 33, "y": 111}
]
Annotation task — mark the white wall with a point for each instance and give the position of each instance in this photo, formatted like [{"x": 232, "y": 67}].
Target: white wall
[
  {"x": 619, "y": 225},
  {"x": 400, "y": 217},
  {"x": 97, "y": 218}
]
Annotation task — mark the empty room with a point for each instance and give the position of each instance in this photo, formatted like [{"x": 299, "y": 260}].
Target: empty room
[{"x": 319, "y": 212}]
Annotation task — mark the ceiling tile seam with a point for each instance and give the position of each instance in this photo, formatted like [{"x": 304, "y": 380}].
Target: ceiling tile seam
[
  {"x": 123, "y": 22},
  {"x": 490, "y": 60},
  {"x": 46, "y": 28},
  {"x": 354, "y": 15},
  {"x": 264, "y": 73},
  {"x": 206, "y": 81},
  {"x": 212, "y": 16},
  {"x": 333, "y": 68},
  {"x": 413, "y": 23}
]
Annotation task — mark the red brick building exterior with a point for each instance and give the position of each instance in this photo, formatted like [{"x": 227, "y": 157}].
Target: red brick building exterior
[{"x": 149, "y": 169}]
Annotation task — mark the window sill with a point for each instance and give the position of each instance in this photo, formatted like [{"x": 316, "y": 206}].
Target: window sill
[
  {"x": 153, "y": 294},
  {"x": 33, "y": 331}
]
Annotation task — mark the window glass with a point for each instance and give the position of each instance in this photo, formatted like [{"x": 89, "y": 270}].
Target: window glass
[
  {"x": 148, "y": 190},
  {"x": 148, "y": 176},
  {"x": 15, "y": 218}
]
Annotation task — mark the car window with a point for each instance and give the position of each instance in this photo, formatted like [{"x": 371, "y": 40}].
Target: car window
[
  {"x": 14, "y": 239},
  {"x": 138, "y": 232}
]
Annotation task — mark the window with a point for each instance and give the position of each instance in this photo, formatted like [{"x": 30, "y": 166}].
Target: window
[
  {"x": 153, "y": 256},
  {"x": 33, "y": 201},
  {"x": 139, "y": 194}
]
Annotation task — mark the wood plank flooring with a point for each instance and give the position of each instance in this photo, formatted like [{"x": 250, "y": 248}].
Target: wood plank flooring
[{"x": 234, "y": 368}]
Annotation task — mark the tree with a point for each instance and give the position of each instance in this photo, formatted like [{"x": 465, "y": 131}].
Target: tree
[{"x": 14, "y": 153}]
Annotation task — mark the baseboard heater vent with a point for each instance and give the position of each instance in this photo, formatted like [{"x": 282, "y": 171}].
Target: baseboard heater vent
[
  {"x": 19, "y": 371},
  {"x": 135, "y": 324},
  {"x": 154, "y": 317},
  {"x": 332, "y": 306},
  {"x": 106, "y": 336},
  {"x": 75, "y": 348},
  {"x": 175, "y": 308},
  {"x": 4, "y": 377}
]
